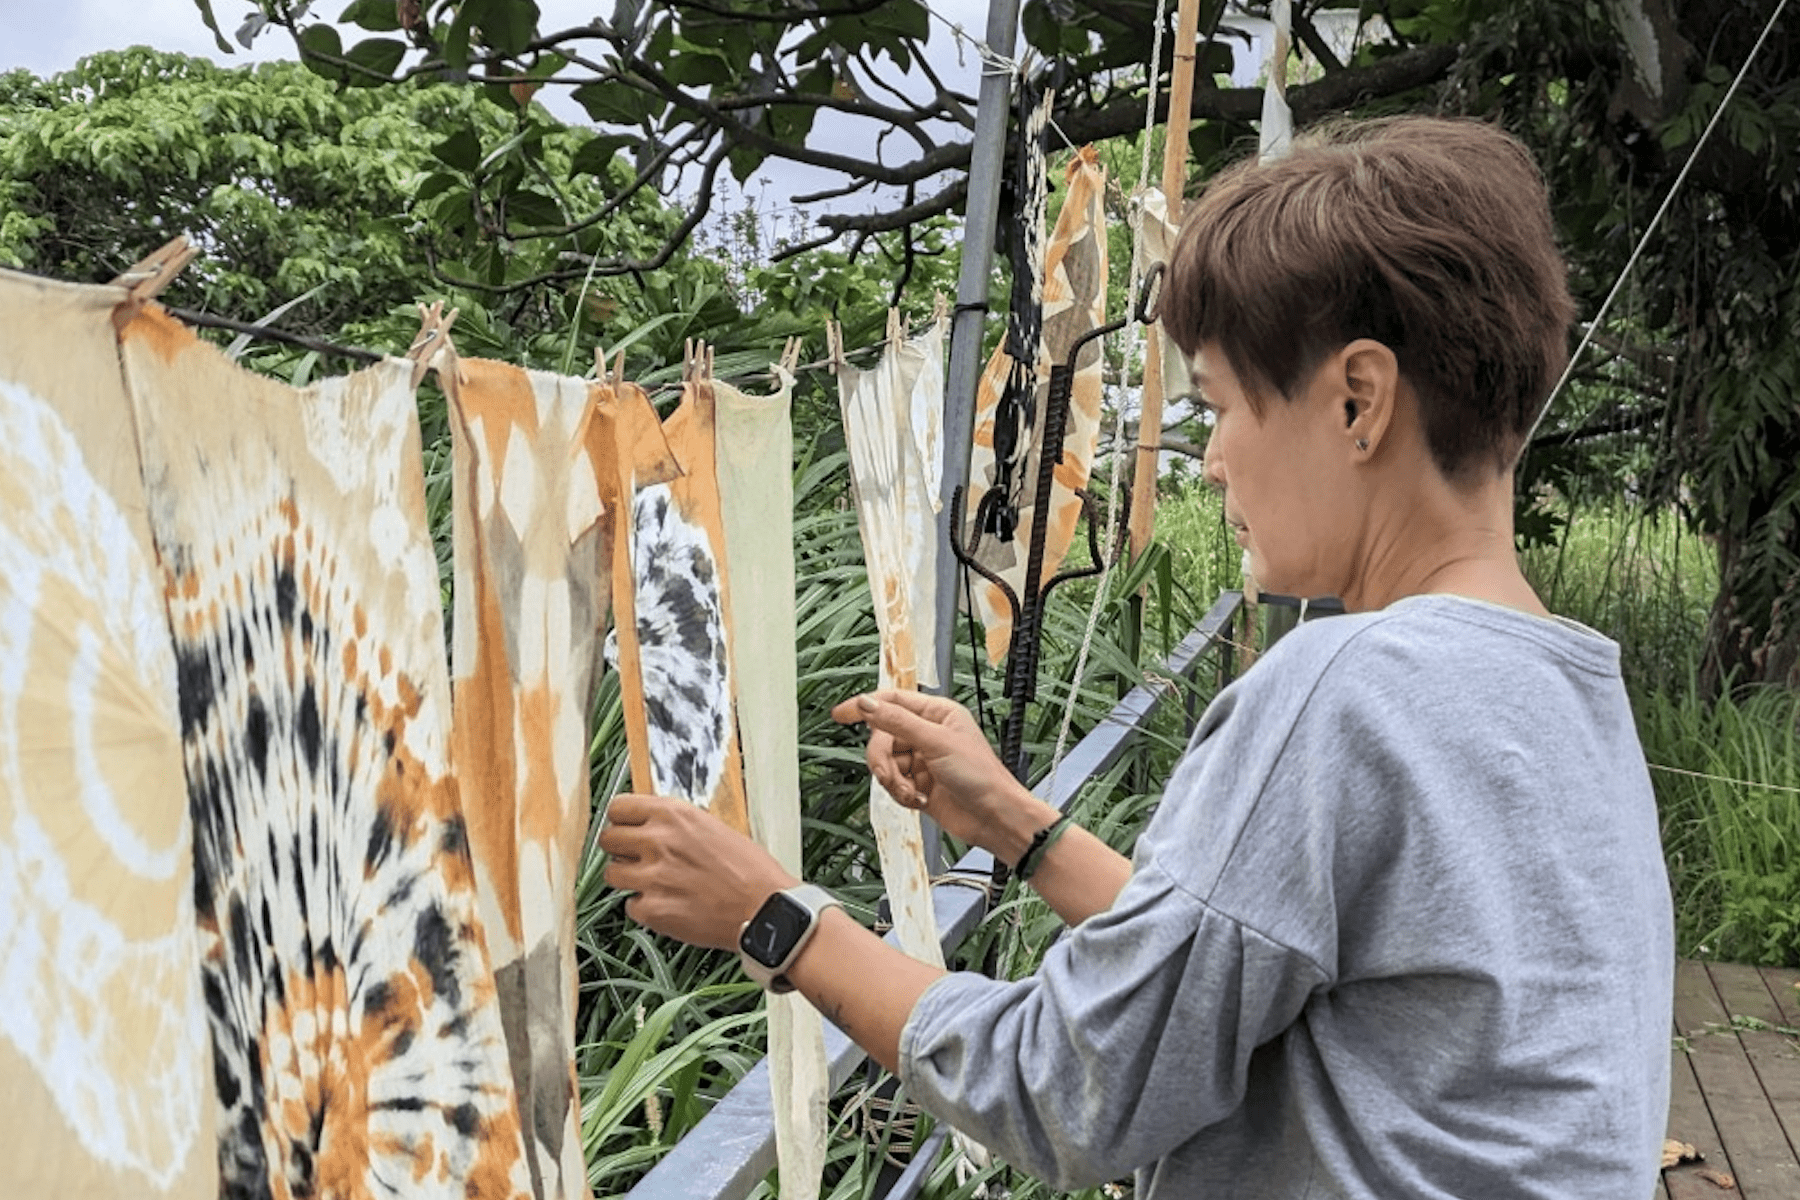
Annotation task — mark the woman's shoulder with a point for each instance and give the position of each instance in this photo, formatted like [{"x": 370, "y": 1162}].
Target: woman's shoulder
[{"x": 1428, "y": 637}]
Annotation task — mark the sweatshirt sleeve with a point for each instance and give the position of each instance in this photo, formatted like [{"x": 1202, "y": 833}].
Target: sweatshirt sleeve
[{"x": 1134, "y": 1034}]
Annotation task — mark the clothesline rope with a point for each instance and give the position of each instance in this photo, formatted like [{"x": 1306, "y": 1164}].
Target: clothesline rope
[{"x": 992, "y": 62}]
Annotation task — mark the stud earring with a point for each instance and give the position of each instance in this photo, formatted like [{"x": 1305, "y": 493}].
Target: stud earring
[{"x": 1362, "y": 444}]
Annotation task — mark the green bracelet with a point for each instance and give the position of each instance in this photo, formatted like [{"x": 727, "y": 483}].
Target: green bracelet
[{"x": 1041, "y": 841}]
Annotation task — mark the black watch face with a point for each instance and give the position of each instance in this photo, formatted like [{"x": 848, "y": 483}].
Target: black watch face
[{"x": 775, "y": 930}]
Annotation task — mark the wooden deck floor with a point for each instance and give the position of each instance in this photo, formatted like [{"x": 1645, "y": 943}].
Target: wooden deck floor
[{"x": 1735, "y": 1083}]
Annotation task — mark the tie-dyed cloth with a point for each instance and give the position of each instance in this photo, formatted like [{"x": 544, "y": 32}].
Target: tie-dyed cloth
[
  {"x": 673, "y": 612},
  {"x": 357, "y": 1042},
  {"x": 531, "y": 596},
  {"x": 1074, "y": 304},
  {"x": 104, "y": 1088}
]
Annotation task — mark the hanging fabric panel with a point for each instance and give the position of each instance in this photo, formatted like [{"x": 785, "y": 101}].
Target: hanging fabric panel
[
  {"x": 357, "y": 1039},
  {"x": 105, "y": 1071},
  {"x": 1153, "y": 240},
  {"x": 1276, "y": 135},
  {"x": 672, "y": 618},
  {"x": 756, "y": 492},
  {"x": 530, "y": 605},
  {"x": 890, "y": 475},
  {"x": 1074, "y": 304}
]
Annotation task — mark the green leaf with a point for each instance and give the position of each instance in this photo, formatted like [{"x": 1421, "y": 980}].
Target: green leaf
[
  {"x": 616, "y": 103},
  {"x": 377, "y": 16},
  {"x": 533, "y": 209},
  {"x": 434, "y": 184},
  {"x": 319, "y": 45},
  {"x": 379, "y": 55},
  {"x": 461, "y": 150},
  {"x": 907, "y": 18},
  {"x": 744, "y": 162},
  {"x": 212, "y": 23},
  {"x": 506, "y": 25},
  {"x": 456, "y": 42},
  {"x": 596, "y": 156}
]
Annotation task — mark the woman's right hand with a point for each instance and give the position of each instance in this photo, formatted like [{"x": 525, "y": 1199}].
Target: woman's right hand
[{"x": 930, "y": 755}]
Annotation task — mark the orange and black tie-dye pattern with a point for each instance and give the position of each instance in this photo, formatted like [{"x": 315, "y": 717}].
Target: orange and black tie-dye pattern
[{"x": 357, "y": 1042}]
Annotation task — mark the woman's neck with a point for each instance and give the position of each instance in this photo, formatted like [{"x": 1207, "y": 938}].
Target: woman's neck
[{"x": 1439, "y": 538}]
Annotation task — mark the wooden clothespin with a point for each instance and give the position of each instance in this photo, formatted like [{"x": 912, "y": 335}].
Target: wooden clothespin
[
  {"x": 697, "y": 361},
  {"x": 896, "y": 327},
  {"x": 616, "y": 375},
  {"x": 433, "y": 337},
  {"x": 834, "y": 344},
  {"x": 146, "y": 279},
  {"x": 940, "y": 309},
  {"x": 782, "y": 370}
]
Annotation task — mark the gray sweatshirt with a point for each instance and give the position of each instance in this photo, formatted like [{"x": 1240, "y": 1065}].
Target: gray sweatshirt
[{"x": 1399, "y": 929}]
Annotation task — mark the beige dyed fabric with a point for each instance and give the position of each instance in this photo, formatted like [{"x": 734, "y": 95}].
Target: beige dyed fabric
[
  {"x": 530, "y": 605},
  {"x": 1074, "y": 304},
  {"x": 756, "y": 492},
  {"x": 105, "y": 1071},
  {"x": 1153, "y": 239},
  {"x": 890, "y": 474},
  {"x": 357, "y": 1037}
]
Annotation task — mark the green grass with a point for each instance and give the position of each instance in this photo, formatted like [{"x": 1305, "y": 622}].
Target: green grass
[{"x": 1731, "y": 831}]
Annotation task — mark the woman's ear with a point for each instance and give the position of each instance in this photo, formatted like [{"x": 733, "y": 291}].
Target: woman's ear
[{"x": 1369, "y": 374}]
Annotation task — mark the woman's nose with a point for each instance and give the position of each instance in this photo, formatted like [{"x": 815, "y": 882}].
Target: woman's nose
[{"x": 1212, "y": 465}]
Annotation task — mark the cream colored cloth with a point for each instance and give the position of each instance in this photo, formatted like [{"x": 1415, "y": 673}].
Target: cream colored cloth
[
  {"x": 889, "y": 471},
  {"x": 755, "y": 443},
  {"x": 105, "y": 1070}
]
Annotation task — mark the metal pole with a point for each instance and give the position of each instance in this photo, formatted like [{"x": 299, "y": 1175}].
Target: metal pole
[
  {"x": 980, "y": 221},
  {"x": 979, "y": 224}
]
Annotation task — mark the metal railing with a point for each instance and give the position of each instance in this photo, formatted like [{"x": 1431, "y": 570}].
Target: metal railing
[{"x": 732, "y": 1149}]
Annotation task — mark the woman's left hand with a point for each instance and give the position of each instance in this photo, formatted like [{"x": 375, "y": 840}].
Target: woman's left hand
[{"x": 696, "y": 878}]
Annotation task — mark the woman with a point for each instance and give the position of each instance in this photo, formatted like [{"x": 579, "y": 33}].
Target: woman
[{"x": 1401, "y": 925}]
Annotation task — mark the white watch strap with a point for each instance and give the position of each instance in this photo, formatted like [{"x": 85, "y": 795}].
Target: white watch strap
[{"x": 815, "y": 900}]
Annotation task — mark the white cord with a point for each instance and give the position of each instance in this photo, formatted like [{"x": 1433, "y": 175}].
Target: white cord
[
  {"x": 1638, "y": 250},
  {"x": 991, "y": 62}
]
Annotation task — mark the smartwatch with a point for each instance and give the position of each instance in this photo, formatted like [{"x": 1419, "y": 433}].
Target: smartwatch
[{"x": 770, "y": 941}]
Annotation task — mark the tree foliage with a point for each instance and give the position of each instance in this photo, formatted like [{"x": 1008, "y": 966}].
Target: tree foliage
[
  {"x": 1691, "y": 387},
  {"x": 704, "y": 86}
]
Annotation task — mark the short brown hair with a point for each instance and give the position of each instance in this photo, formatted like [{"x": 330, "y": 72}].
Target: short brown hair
[{"x": 1431, "y": 236}]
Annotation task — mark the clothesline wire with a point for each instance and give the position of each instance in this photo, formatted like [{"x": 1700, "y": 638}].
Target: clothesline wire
[
  {"x": 1650, "y": 230},
  {"x": 1743, "y": 783},
  {"x": 270, "y": 333}
]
